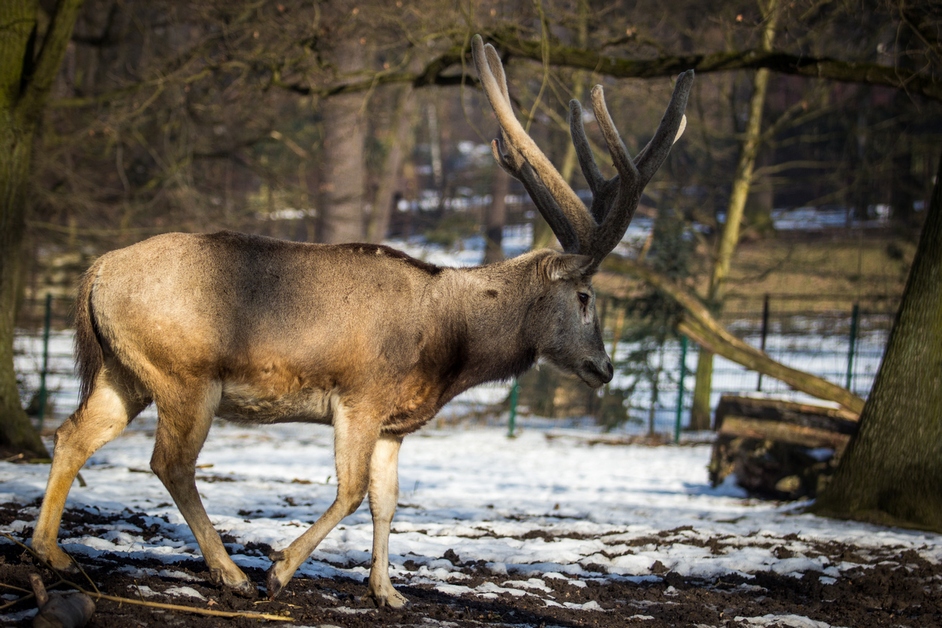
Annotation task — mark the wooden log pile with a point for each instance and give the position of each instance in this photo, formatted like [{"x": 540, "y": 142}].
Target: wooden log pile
[{"x": 778, "y": 449}]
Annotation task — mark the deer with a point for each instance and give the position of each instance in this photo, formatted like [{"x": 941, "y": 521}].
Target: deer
[{"x": 359, "y": 336}]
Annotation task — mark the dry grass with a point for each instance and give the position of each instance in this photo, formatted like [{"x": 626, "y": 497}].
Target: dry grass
[
  {"x": 837, "y": 267},
  {"x": 818, "y": 272}
]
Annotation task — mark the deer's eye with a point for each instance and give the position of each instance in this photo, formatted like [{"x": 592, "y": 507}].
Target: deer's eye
[{"x": 583, "y": 298}]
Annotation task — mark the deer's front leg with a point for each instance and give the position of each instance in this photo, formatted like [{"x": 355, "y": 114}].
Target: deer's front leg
[
  {"x": 384, "y": 494},
  {"x": 353, "y": 447}
]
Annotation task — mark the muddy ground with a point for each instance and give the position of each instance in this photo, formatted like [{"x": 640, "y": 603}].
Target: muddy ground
[{"x": 904, "y": 591}]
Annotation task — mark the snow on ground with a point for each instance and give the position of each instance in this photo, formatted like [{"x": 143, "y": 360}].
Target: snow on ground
[{"x": 531, "y": 507}]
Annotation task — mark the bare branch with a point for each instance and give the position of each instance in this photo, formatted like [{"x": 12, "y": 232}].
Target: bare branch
[{"x": 50, "y": 56}]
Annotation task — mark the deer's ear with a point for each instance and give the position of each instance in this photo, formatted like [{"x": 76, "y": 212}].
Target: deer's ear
[{"x": 567, "y": 267}]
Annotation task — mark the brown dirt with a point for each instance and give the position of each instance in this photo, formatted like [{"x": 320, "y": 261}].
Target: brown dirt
[{"x": 906, "y": 591}]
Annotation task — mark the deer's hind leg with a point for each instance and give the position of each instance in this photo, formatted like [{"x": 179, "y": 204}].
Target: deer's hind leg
[
  {"x": 110, "y": 406},
  {"x": 184, "y": 418}
]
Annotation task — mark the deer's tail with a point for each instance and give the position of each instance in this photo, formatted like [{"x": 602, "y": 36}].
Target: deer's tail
[{"x": 89, "y": 354}]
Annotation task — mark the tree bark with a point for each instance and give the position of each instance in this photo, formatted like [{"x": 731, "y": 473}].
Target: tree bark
[
  {"x": 341, "y": 212},
  {"x": 25, "y": 81},
  {"x": 892, "y": 470},
  {"x": 495, "y": 216},
  {"x": 400, "y": 145},
  {"x": 726, "y": 246}
]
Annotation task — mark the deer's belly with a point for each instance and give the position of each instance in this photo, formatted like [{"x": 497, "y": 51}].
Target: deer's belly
[{"x": 247, "y": 404}]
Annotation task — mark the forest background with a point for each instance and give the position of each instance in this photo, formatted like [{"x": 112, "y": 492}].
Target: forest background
[
  {"x": 315, "y": 121},
  {"x": 319, "y": 121}
]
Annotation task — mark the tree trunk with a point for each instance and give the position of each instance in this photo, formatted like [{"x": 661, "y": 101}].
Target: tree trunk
[
  {"x": 892, "y": 470},
  {"x": 495, "y": 216},
  {"x": 702, "y": 391},
  {"x": 25, "y": 81},
  {"x": 400, "y": 145},
  {"x": 341, "y": 214},
  {"x": 742, "y": 181},
  {"x": 16, "y": 431}
]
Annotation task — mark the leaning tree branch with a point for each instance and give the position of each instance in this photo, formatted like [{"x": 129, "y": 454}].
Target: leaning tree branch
[
  {"x": 750, "y": 59},
  {"x": 446, "y": 70},
  {"x": 755, "y": 360},
  {"x": 699, "y": 324},
  {"x": 440, "y": 70}
]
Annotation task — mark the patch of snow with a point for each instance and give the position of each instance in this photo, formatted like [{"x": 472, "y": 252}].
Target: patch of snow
[
  {"x": 536, "y": 511},
  {"x": 791, "y": 621}
]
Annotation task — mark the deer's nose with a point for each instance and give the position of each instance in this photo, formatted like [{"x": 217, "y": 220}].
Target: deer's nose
[{"x": 602, "y": 369}]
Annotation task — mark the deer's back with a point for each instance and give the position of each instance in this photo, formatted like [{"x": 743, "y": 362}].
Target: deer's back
[{"x": 277, "y": 322}]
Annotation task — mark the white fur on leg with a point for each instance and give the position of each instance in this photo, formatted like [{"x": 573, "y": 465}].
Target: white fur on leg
[{"x": 384, "y": 495}]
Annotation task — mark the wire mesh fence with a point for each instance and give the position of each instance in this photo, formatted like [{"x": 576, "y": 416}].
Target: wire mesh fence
[{"x": 841, "y": 339}]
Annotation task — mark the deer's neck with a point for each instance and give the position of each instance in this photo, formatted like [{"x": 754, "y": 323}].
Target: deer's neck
[{"x": 487, "y": 310}]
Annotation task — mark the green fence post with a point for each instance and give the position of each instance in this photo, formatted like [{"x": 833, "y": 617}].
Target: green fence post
[
  {"x": 47, "y": 323},
  {"x": 514, "y": 394},
  {"x": 765, "y": 333},
  {"x": 680, "y": 387},
  {"x": 852, "y": 349}
]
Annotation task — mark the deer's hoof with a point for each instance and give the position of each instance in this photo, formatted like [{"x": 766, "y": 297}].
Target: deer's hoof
[
  {"x": 386, "y": 595},
  {"x": 241, "y": 586},
  {"x": 279, "y": 574},
  {"x": 275, "y": 585},
  {"x": 392, "y": 601},
  {"x": 246, "y": 589},
  {"x": 57, "y": 559}
]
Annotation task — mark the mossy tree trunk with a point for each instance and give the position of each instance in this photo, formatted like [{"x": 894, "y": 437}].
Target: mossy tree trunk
[
  {"x": 892, "y": 470},
  {"x": 26, "y": 76},
  {"x": 729, "y": 239}
]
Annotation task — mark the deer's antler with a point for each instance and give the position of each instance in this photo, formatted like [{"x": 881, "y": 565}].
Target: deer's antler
[{"x": 591, "y": 231}]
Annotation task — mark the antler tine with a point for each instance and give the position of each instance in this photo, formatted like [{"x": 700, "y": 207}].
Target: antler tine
[
  {"x": 513, "y": 164},
  {"x": 590, "y": 169},
  {"x": 671, "y": 128},
  {"x": 565, "y": 213},
  {"x": 616, "y": 148},
  {"x": 541, "y": 197},
  {"x": 617, "y": 211},
  {"x": 614, "y": 205}
]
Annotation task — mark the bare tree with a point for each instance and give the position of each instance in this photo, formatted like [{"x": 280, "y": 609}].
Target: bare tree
[
  {"x": 29, "y": 63},
  {"x": 891, "y": 472},
  {"x": 342, "y": 212},
  {"x": 729, "y": 238}
]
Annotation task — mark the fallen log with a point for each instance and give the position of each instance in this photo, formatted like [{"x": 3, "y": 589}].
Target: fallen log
[
  {"x": 60, "y": 610},
  {"x": 700, "y": 326},
  {"x": 776, "y": 448}
]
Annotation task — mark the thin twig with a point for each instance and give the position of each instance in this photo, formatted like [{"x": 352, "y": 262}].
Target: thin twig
[
  {"x": 29, "y": 594},
  {"x": 15, "y": 588},
  {"x": 47, "y": 565},
  {"x": 186, "y": 609},
  {"x": 98, "y": 595}
]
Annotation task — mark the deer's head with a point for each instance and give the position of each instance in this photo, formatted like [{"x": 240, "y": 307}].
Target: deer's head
[{"x": 571, "y": 334}]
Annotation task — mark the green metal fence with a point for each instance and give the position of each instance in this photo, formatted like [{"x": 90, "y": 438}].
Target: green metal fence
[{"x": 839, "y": 338}]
